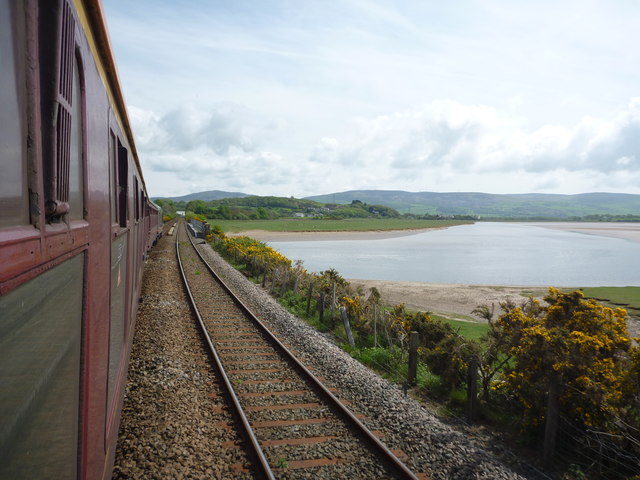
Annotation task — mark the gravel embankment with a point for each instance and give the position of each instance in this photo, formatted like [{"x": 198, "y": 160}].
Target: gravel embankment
[{"x": 433, "y": 447}]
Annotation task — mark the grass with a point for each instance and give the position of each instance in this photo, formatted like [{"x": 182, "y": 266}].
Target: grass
[
  {"x": 625, "y": 297},
  {"x": 331, "y": 225},
  {"x": 470, "y": 330}
]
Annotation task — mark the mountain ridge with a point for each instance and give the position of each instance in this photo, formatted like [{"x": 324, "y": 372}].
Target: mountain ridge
[{"x": 488, "y": 205}]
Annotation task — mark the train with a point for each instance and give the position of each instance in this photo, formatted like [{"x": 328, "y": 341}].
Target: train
[{"x": 76, "y": 226}]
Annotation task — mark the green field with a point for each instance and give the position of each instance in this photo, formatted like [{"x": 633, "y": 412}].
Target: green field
[
  {"x": 625, "y": 297},
  {"x": 331, "y": 225},
  {"x": 469, "y": 330}
]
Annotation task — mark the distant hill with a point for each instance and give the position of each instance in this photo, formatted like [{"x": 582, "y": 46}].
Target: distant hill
[
  {"x": 206, "y": 196},
  {"x": 530, "y": 205}
]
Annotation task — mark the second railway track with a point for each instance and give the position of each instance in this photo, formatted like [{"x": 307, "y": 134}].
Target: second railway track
[{"x": 296, "y": 426}]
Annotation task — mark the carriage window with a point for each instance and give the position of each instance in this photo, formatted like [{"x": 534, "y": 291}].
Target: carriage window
[
  {"x": 76, "y": 181},
  {"x": 14, "y": 204},
  {"x": 123, "y": 178},
  {"x": 112, "y": 176},
  {"x": 40, "y": 355},
  {"x": 137, "y": 198}
]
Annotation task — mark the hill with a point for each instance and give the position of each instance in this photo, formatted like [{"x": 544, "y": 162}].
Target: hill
[
  {"x": 257, "y": 207},
  {"x": 205, "y": 196},
  {"x": 487, "y": 205}
]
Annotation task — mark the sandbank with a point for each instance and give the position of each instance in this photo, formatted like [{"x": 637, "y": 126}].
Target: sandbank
[
  {"x": 449, "y": 300},
  {"x": 627, "y": 231},
  {"x": 268, "y": 236}
]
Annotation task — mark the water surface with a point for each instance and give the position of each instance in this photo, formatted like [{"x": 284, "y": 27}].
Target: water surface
[{"x": 480, "y": 254}]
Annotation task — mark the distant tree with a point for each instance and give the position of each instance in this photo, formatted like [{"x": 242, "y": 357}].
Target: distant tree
[
  {"x": 198, "y": 206},
  {"x": 168, "y": 206}
]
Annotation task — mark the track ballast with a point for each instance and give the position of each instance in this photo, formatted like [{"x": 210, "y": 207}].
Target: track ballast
[{"x": 294, "y": 424}]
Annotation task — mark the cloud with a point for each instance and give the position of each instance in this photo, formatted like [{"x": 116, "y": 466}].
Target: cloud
[
  {"x": 470, "y": 139},
  {"x": 223, "y": 128},
  {"x": 443, "y": 145}
]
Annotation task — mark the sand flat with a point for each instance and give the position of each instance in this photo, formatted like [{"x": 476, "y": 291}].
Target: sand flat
[
  {"x": 627, "y": 231},
  {"x": 450, "y": 300},
  {"x": 268, "y": 236}
]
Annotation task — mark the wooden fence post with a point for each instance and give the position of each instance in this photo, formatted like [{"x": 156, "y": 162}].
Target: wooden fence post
[
  {"x": 309, "y": 298},
  {"x": 285, "y": 283},
  {"x": 553, "y": 417},
  {"x": 321, "y": 309},
  {"x": 333, "y": 306},
  {"x": 347, "y": 326},
  {"x": 274, "y": 277},
  {"x": 414, "y": 340},
  {"x": 375, "y": 325}
]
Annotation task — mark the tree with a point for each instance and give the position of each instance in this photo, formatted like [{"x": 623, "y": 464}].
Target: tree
[
  {"x": 493, "y": 355},
  {"x": 581, "y": 341},
  {"x": 198, "y": 206}
]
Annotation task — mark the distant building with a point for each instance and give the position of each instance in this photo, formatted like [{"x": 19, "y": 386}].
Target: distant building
[
  {"x": 299, "y": 215},
  {"x": 180, "y": 213}
]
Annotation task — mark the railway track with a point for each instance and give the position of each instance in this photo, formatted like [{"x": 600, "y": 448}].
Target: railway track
[{"x": 293, "y": 426}]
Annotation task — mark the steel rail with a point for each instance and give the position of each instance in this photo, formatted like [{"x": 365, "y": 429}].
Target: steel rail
[
  {"x": 258, "y": 454},
  {"x": 380, "y": 447}
]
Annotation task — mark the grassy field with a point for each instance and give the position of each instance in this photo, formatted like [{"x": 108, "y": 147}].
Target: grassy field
[
  {"x": 625, "y": 297},
  {"x": 470, "y": 330},
  {"x": 331, "y": 225}
]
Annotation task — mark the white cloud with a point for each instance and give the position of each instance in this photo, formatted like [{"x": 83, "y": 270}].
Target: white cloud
[
  {"x": 477, "y": 139},
  {"x": 444, "y": 145}
]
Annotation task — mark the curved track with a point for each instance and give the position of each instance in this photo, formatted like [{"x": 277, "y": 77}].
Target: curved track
[{"x": 293, "y": 426}]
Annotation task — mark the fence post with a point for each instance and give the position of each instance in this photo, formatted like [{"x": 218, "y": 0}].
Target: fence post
[
  {"x": 472, "y": 388},
  {"x": 274, "y": 278},
  {"x": 309, "y": 298},
  {"x": 333, "y": 306},
  {"x": 414, "y": 340},
  {"x": 553, "y": 416},
  {"x": 321, "y": 312},
  {"x": 375, "y": 325},
  {"x": 347, "y": 326},
  {"x": 285, "y": 283}
]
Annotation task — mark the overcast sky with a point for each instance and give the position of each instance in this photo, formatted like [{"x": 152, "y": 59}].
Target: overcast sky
[{"x": 305, "y": 97}]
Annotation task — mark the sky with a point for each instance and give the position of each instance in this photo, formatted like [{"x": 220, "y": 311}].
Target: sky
[{"x": 308, "y": 97}]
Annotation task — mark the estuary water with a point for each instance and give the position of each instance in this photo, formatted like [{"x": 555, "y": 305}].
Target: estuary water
[{"x": 480, "y": 254}]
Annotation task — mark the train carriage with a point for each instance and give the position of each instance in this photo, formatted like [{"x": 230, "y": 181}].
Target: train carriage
[{"x": 75, "y": 227}]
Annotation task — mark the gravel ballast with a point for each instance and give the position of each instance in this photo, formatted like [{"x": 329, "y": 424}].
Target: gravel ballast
[{"x": 171, "y": 426}]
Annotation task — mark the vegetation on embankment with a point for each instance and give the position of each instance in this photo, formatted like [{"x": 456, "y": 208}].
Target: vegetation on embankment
[{"x": 333, "y": 225}]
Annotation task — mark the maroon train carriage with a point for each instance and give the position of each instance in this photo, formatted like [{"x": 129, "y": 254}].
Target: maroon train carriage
[{"x": 75, "y": 227}]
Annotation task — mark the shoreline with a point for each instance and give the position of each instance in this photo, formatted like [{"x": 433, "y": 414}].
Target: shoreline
[
  {"x": 623, "y": 231},
  {"x": 454, "y": 301},
  {"x": 268, "y": 236}
]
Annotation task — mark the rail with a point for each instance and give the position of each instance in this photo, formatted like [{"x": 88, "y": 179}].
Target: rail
[{"x": 383, "y": 452}]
